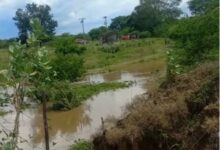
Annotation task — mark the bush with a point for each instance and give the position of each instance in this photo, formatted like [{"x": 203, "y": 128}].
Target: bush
[
  {"x": 110, "y": 48},
  {"x": 145, "y": 34},
  {"x": 66, "y": 96},
  {"x": 81, "y": 145},
  {"x": 197, "y": 36},
  {"x": 65, "y": 45},
  {"x": 62, "y": 95},
  {"x": 68, "y": 67}
]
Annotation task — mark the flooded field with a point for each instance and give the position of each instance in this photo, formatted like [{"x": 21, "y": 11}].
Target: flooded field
[{"x": 85, "y": 120}]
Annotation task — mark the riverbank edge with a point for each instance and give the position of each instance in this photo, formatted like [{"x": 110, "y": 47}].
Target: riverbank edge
[{"x": 182, "y": 115}]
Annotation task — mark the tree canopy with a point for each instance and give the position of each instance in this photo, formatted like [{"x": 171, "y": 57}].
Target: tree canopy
[
  {"x": 41, "y": 12},
  {"x": 119, "y": 23},
  {"x": 96, "y": 33},
  {"x": 152, "y": 13},
  {"x": 202, "y": 6},
  {"x": 196, "y": 37}
]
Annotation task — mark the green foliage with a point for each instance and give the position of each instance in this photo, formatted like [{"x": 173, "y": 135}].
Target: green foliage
[
  {"x": 42, "y": 12},
  {"x": 153, "y": 13},
  {"x": 119, "y": 23},
  {"x": 97, "y": 33},
  {"x": 6, "y": 43},
  {"x": 173, "y": 67},
  {"x": 83, "y": 36},
  {"x": 196, "y": 36},
  {"x": 6, "y": 146},
  {"x": 65, "y": 45},
  {"x": 110, "y": 48},
  {"x": 65, "y": 96},
  {"x": 81, "y": 145},
  {"x": 125, "y": 30},
  {"x": 38, "y": 30},
  {"x": 67, "y": 67},
  {"x": 28, "y": 66},
  {"x": 152, "y": 16},
  {"x": 202, "y": 6},
  {"x": 145, "y": 34}
]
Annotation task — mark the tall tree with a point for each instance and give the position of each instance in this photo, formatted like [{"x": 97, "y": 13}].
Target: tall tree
[
  {"x": 119, "y": 22},
  {"x": 96, "y": 33},
  {"x": 42, "y": 13},
  {"x": 152, "y": 13},
  {"x": 202, "y": 6}
]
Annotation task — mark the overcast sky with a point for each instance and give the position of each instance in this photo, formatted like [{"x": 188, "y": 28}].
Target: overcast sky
[{"x": 68, "y": 12}]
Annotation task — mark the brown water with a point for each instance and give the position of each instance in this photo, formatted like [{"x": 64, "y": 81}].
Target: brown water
[{"x": 85, "y": 120}]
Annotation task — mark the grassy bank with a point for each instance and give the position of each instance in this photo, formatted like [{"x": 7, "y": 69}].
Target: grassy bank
[
  {"x": 87, "y": 90},
  {"x": 133, "y": 51},
  {"x": 181, "y": 115},
  {"x": 129, "y": 52},
  {"x": 65, "y": 96},
  {"x": 4, "y": 58}
]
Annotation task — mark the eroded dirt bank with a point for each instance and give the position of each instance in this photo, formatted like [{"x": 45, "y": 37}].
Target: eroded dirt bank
[{"x": 180, "y": 115}]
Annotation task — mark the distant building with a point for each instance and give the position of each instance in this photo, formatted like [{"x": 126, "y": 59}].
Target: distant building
[
  {"x": 129, "y": 36},
  {"x": 125, "y": 37}
]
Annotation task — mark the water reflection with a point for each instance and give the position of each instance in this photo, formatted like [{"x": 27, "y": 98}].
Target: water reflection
[
  {"x": 60, "y": 122},
  {"x": 83, "y": 121}
]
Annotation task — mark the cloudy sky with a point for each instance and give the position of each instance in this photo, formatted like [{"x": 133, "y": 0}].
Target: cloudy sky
[{"x": 68, "y": 12}]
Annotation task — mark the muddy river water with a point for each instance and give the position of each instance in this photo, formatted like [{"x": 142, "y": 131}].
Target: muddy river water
[{"x": 85, "y": 120}]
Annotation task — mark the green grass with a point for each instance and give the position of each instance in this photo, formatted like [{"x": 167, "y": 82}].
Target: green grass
[
  {"x": 130, "y": 52},
  {"x": 65, "y": 97},
  {"x": 4, "y": 59},
  {"x": 87, "y": 90},
  {"x": 4, "y": 62},
  {"x": 81, "y": 145}
]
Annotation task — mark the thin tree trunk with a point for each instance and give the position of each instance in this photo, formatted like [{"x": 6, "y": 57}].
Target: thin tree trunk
[
  {"x": 45, "y": 121},
  {"x": 16, "y": 129},
  {"x": 18, "y": 100}
]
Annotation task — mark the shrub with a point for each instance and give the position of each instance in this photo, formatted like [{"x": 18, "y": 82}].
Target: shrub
[
  {"x": 81, "y": 145},
  {"x": 68, "y": 67},
  {"x": 200, "y": 99},
  {"x": 65, "y": 45},
  {"x": 62, "y": 95},
  {"x": 145, "y": 34},
  {"x": 197, "y": 35},
  {"x": 110, "y": 48}
]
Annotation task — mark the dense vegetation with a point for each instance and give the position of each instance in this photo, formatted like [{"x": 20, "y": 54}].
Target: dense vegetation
[
  {"x": 196, "y": 39},
  {"x": 65, "y": 96},
  {"x": 81, "y": 145}
]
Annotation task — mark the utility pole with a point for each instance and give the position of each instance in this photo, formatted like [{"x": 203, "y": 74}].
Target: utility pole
[
  {"x": 82, "y": 22},
  {"x": 105, "y": 21}
]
